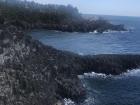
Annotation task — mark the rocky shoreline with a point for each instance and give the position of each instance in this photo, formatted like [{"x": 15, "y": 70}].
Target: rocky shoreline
[
  {"x": 30, "y": 15},
  {"x": 98, "y": 26},
  {"x": 34, "y": 74}
]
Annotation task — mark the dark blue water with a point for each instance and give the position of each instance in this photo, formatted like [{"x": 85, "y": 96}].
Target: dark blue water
[{"x": 103, "y": 90}]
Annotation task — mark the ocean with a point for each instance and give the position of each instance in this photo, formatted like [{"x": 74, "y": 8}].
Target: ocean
[{"x": 103, "y": 90}]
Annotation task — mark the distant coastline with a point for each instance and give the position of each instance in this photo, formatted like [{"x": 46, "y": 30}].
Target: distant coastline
[{"x": 31, "y": 15}]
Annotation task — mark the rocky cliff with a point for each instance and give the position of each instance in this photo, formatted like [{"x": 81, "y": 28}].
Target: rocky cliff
[{"x": 34, "y": 74}]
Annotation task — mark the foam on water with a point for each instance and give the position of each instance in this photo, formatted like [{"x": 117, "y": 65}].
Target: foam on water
[
  {"x": 93, "y": 74},
  {"x": 80, "y": 53},
  {"x": 110, "y": 31},
  {"x": 88, "y": 101},
  {"x": 68, "y": 102},
  {"x": 129, "y": 73},
  {"x": 103, "y": 89},
  {"x": 132, "y": 73}
]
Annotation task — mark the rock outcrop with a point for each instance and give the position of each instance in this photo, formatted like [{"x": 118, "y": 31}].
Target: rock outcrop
[
  {"x": 113, "y": 64},
  {"x": 34, "y": 74},
  {"x": 28, "y": 15}
]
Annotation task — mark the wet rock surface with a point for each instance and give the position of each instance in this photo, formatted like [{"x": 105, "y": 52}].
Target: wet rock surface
[{"x": 34, "y": 74}]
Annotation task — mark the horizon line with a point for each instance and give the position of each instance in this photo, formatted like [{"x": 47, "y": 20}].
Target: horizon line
[{"x": 110, "y": 15}]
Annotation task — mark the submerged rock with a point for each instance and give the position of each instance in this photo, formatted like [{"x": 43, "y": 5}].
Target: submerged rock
[{"x": 34, "y": 74}]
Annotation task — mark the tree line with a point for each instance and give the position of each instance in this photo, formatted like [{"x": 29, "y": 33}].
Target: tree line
[
  {"x": 33, "y": 12},
  {"x": 55, "y": 17}
]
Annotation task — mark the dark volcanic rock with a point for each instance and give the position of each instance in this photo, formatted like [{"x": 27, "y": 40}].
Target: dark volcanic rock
[
  {"x": 34, "y": 74},
  {"x": 114, "y": 64}
]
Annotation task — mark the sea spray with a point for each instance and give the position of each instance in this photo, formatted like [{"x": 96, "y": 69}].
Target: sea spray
[
  {"x": 129, "y": 73},
  {"x": 68, "y": 102},
  {"x": 132, "y": 73}
]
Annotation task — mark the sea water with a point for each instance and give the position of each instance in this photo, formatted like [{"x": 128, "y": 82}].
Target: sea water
[{"x": 103, "y": 90}]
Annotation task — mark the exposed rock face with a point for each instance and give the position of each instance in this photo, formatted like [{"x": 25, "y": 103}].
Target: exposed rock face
[
  {"x": 80, "y": 26},
  {"x": 34, "y": 74},
  {"x": 114, "y": 64},
  {"x": 29, "y": 72}
]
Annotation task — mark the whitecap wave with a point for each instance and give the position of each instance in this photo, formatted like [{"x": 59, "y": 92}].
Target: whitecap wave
[
  {"x": 93, "y": 74},
  {"x": 94, "y": 32},
  {"x": 109, "y": 32},
  {"x": 132, "y": 73},
  {"x": 112, "y": 31},
  {"x": 88, "y": 101},
  {"x": 129, "y": 73}
]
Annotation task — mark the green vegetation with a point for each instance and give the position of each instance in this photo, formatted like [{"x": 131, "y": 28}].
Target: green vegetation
[
  {"x": 29, "y": 15},
  {"x": 33, "y": 12}
]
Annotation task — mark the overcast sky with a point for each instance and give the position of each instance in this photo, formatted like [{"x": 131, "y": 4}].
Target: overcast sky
[{"x": 106, "y": 7}]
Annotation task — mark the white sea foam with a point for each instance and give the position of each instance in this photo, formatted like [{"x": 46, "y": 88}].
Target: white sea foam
[
  {"x": 57, "y": 31},
  {"x": 80, "y": 53},
  {"x": 93, "y": 74},
  {"x": 91, "y": 101},
  {"x": 94, "y": 32},
  {"x": 132, "y": 73},
  {"x": 88, "y": 101},
  {"x": 111, "y": 31},
  {"x": 68, "y": 102},
  {"x": 129, "y": 73}
]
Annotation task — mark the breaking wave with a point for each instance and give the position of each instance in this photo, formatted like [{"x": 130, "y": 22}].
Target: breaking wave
[
  {"x": 88, "y": 101},
  {"x": 132, "y": 73},
  {"x": 68, "y": 102},
  {"x": 110, "y": 31},
  {"x": 129, "y": 73}
]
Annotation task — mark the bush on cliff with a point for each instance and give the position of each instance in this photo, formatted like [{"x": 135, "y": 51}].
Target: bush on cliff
[{"x": 28, "y": 15}]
